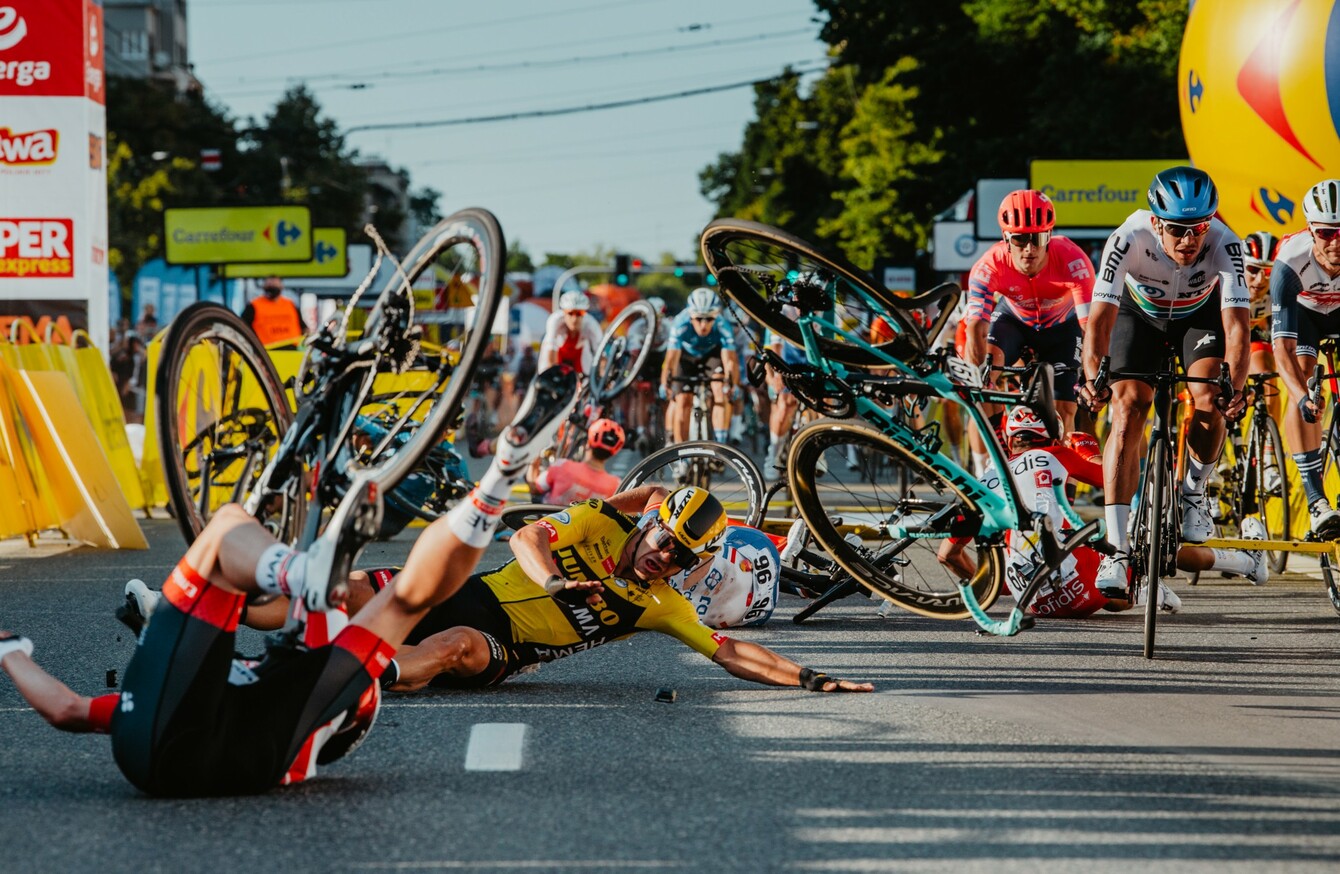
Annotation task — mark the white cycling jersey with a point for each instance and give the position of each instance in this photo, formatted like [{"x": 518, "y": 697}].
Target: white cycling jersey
[
  {"x": 739, "y": 586},
  {"x": 1297, "y": 277},
  {"x": 558, "y": 346},
  {"x": 1134, "y": 262}
]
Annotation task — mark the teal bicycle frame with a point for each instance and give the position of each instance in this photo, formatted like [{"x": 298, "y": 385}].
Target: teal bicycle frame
[{"x": 998, "y": 514}]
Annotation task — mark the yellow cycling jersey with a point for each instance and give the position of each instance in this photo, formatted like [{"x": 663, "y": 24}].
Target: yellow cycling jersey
[{"x": 587, "y": 540}]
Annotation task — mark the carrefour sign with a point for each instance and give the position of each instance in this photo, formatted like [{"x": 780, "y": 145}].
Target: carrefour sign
[
  {"x": 1096, "y": 194},
  {"x": 330, "y": 260},
  {"x": 237, "y": 235}
]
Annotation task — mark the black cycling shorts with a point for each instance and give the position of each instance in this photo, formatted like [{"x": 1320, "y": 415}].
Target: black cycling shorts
[
  {"x": 473, "y": 606},
  {"x": 1312, "y": 327},
  {"x": 691, "y": 367},
  {"x": 1059, "y": 344},
  {"x": 652, "y": 367},
  {"x": 182, "y": 729},
  {"x": 1139, "y": 343}
]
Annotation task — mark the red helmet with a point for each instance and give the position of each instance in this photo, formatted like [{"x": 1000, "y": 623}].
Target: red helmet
[
  {"x": 1260, "y": 248},
  {"x": 1024, "y": 422},
  {"x": 605, "y": 434},
  {"x": 1025, "y": 211}
]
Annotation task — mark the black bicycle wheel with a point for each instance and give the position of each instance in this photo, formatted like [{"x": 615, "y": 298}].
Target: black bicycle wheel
[
  {"x": 623, "y": 350},
  {"x": 725, "y": 471},
  {"x": 1154, "y": 498},
  {"x": 1272, "y": 491},
  {"x": 900, "y": 509},
  {"x": 221, "y": 411},
  {"x": 518, "y": 516},
  {"x": 775, "y": 277},
  {"x": 1329, "y": 575},
  {"x": 464, "y": 249}
]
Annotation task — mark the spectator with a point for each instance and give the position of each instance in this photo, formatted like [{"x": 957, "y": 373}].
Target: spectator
[
  {"x": 127, "y": 363},
  {"x": 147, "y": 326},
  {"x": 274, "y": 317}
]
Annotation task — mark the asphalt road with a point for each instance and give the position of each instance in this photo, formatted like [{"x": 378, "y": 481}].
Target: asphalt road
[{"x": 1061, "y": 749}]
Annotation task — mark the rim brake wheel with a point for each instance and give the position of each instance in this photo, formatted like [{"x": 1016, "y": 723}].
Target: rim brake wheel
[
  {"x": 623, "y": 350},
  {"x": 220, "y": 412},
  {"x": 894, "y": 514},
  {"x": 1274, "y": 505},
  {"x": 414, "y": 407},
  {"x": 738, "y": 484},
  {"x": 776, "y": 277}
]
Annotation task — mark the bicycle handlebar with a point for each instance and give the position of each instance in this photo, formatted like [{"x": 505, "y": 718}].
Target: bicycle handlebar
[{"x": 1105, "y": 377}]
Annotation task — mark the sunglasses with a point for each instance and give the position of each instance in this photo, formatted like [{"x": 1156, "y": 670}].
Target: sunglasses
[
  {"x": 1199, "y": 229},
  {"x": 662, "y": 540},
  {"x": 1325, "y": 235},
  {"x": 708, "y": 319},
  {"x": 1253, "y": 269},
  {"x": 1023, "y": 241},
  {"x": 578, "y": 313}
]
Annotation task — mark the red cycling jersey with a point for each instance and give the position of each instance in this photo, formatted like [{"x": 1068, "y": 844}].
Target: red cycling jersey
[{"x": 1063, "y": 287}]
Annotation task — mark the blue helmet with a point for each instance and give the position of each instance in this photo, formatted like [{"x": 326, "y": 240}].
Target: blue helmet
[{"x": 1183, "y": 194}]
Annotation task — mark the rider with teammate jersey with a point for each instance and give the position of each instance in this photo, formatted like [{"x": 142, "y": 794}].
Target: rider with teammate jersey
[
  {"x": 700, "y": 344},
  {"x": 1044, "y": 283},
  {"x": 571, "y": 335},
  {"x": 1041, "y": 469},
  {"x": 1305, "y": 300},
  {"x": 1170, "y": 284}
]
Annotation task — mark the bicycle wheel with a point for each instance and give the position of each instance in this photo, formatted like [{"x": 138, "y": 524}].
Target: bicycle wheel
[
  {"x": 623, "y": 350},
  {"x": 898, "y": 507},
  {"x": 1150, "y": 538},
  {"x": 738, "y": 484},
  {"x": 776, "y": 277},
  {"x": 417, "y": 395},
  {"x": 1272, "y": 503},
  {"x": 221, "y": 413},
  {"x": 518, "y": 516}
]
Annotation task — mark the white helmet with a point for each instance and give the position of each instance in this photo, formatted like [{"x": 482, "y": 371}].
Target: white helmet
[
  {"x": 704, "y": 302},
  {"x": 1322, "y": 202},
  {"x": 657, "y": 304},
  {"x": 574, "y": 300}
]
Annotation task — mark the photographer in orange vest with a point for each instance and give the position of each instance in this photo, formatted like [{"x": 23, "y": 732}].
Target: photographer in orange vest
[{"x": 273, "y": 317}]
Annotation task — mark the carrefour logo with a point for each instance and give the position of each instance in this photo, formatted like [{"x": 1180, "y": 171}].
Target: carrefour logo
[
  {"x": 284, "y": 233},
  {"x": 324, "y": 252},
  {"x": 12, "y": 28}
]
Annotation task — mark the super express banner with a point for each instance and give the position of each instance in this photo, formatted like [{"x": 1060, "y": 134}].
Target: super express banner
[{"x": 53, "y": 211}]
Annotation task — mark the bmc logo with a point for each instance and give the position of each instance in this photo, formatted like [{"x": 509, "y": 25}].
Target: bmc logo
[
  {"x": 28, "y": 149},
  {"x": 36, "y": 248}
]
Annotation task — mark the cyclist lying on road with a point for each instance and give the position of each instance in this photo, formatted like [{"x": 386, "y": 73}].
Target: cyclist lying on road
[
  {"x": 1041, "y": 469},
  {"x": 187, "y": 722}
]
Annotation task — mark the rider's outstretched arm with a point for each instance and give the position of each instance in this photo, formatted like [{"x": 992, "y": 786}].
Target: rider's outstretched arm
[
  {"x": 57, "y": 703},
  {"x": 749, "y": 661}
]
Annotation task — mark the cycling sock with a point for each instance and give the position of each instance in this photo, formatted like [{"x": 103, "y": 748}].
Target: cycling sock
[
  {"x": 1117, "y": 516},
  {"x": 281, "y": 570},
  {"x": 720, "y": 435},
  {"x": 1309, "y": 470},
  {"x": 1234, "y": 561},
  {"x": 1196, "y": 473},
  {"x": 475, "y": 519}
]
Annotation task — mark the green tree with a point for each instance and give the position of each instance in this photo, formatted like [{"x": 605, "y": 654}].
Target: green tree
[
  {"x": 425, "y": 207},
  {"x": 297, "y": 155},
  {"x": 518, "y": 259},
  {"x": 138, "y": 188}
]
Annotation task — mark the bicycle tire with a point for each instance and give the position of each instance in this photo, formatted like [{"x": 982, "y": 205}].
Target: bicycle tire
[
  {"x": 609, "y": 384},
  {"x": 480, "y": 229},
  {"x": 1273, "y": 506},
  {"x": 696, "y": 454},
  {"x": 1157, "y": 495},
  {"x": 751, "y": 260},
  {"x": 518, "y": 516},
  {"x": 207, "y": 331},
  {"x": 931, "y": 590}
]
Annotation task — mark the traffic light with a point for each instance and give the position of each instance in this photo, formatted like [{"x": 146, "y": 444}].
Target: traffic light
[
  {"x": 623, "y": 269},
  {"x": 637, "y": 265},
  {"x": 679, "y": 270}
]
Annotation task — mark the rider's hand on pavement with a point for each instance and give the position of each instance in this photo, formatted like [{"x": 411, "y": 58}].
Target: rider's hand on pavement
[{"x": 556, "y": 584}]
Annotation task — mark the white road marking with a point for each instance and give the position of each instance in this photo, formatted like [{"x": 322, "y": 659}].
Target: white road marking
[{"x": 495, "y": 746}]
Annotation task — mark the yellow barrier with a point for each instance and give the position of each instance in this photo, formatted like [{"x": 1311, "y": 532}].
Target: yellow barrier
[{"x": 75, "y": 475}]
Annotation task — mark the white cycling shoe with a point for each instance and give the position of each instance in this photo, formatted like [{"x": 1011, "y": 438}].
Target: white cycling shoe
[
  {"x": 797, "y": 539},
  {"x": 1168, "y": 600},
  {"x": 1197, "y": 526},
  {"x": 1254, "y": 529},
  {"x": 551, "y": 396},
  {"x": 1113, "y": 579}
]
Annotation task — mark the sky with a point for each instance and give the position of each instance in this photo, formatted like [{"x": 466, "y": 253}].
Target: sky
[{"x": 623, "y": 179}]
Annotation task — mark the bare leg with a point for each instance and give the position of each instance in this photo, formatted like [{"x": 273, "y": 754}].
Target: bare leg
[{"x": 456, "y": 652}]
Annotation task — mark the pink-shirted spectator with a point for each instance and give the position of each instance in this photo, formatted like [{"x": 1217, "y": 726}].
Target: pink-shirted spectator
[{"x": 565, "y": 481}]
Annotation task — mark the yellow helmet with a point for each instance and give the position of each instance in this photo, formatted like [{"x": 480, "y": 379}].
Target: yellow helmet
[{"x": 695, "y": 518}]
